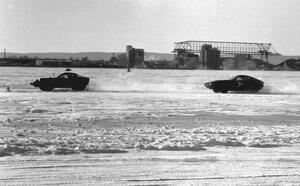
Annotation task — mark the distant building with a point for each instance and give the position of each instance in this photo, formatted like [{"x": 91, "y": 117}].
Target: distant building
[
  {"x": 135, "y": 56},
  {"x": 187, "y": 60},
  {"x": 53, "y": 62},
  {"x": 17, "y": 62},
  {"x": 228, "y": 63},
  {"x": 122, "y": 60},
  {"x": 4, "y": 62},
  {"x": 211, "y": 57}
]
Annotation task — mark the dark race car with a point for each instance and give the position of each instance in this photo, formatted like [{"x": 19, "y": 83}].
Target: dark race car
[
  {"x": 237, "y": 83},
  {"x": 64, "y": 80}
]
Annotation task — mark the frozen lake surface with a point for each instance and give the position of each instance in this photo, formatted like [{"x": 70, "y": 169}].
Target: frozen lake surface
[{"x": 149, "y": 127}]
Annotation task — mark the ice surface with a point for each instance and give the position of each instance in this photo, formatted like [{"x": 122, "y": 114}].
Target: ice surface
[
  {"x": 164, "y": 138},
  {"x": 149, "y": 127},
  {"x": 215, "y": 166},
  {"x": 146, "y": 95}
]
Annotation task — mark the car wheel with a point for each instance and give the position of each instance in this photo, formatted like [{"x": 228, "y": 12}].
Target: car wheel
[
  {"x": 46, "y": 88},
  {"x": 216, "y": 90},
  {"x": 78, "y": 88}
]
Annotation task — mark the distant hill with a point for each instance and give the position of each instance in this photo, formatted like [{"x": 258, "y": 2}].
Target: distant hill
[
  {"x": 246, "y": 64},
  {"x": 277, "y": 59},
  {"x": 91, "y": 55},
  {"x": 290, "y": 64},
  {"x": 279, "y": 62}
]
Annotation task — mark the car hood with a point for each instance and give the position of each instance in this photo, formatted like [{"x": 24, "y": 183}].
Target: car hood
[{"x": 211, "y": 84}]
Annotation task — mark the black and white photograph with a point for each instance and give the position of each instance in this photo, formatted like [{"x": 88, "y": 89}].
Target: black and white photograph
[{"x": 150, "y": 92}]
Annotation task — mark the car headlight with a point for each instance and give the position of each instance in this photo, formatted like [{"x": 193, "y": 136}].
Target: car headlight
[{"x": 208, "y": 85}]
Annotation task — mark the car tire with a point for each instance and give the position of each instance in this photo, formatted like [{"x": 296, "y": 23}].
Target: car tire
[
  {"x": 46, "y": 88},
  {"x": 78, "y": 88},
  {"x": 216, "y": 90}
]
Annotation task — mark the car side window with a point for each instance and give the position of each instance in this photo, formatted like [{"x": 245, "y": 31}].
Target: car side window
[
  {"x": 239, "y": 79},
  {"x": 72, "y": 75},
  {"x": 63, "y": 76}
]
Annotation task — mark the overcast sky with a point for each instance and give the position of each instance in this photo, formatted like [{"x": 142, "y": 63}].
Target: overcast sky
[{"x": 109, "y": 25}]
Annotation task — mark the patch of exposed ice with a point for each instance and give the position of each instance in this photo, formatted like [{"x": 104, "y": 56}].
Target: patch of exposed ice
[
  {"x": 65, "y": 141},
  {"x": 9, "y": 150},
  {"x": 171, "y": 147}
]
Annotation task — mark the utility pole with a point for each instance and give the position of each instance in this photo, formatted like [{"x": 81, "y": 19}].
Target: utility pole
[{"x": 4, "y": 54}]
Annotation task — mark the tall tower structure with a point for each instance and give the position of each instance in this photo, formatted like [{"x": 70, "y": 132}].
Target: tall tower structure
[
  {"x": 210, "y": 57},
  {"x": 130, "y": 56},
  {"x": 135, "y": 56}
]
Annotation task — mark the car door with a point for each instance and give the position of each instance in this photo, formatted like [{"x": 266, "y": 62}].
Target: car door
[
  {"x": 252, "y": 84},
  {"x": 248, "y": 83},
  {"x": 238, "y": 84},
  {"x": 62, "y": 81}
]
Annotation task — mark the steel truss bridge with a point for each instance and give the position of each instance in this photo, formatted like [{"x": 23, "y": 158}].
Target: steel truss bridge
[{"x": 263, "y": 49}]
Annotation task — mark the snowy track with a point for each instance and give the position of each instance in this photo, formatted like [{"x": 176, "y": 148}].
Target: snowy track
[
  {"x": 217, "y": 166},
  {"x": 149, "y": 127}
]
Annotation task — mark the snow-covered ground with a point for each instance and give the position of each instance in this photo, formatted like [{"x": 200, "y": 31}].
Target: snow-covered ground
[
  {"x": 149, "y": 127},
  {"x": 215, "y": 166}
]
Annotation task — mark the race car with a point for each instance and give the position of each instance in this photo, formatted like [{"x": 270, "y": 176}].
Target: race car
[
  {"x": 237, "y": 83},
  {"x": 64, "y": 80}
]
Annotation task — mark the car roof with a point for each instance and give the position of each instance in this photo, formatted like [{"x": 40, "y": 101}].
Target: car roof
[
  {"x": 70, "y": 73},
  {"x": 66, "y": 73},
  {"x": 244, "y": 76},
  {"x": 241, "y": 76}
]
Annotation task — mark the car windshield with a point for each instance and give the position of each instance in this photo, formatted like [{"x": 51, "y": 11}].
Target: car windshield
[
  {"x": 240, "y": 78},
  {"x": 67, "y": 75}
]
